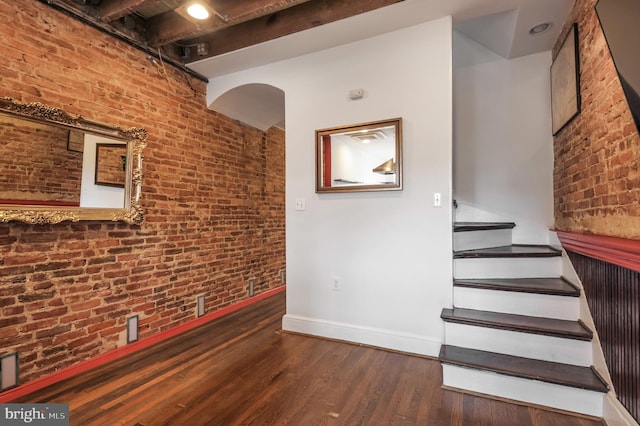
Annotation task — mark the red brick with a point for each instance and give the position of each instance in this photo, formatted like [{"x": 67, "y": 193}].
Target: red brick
[
  {"x": 604, "y": 133},
  {"x": 179, "y": 251}
]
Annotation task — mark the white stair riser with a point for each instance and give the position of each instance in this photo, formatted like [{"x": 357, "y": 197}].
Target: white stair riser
[
  {"x": 544, "y": 267},
  {"x": 527, "y": 345},
  {"x": 530, "y": 391},
  {"x": 511, "y": 302},
  {"x": 471, "y": 240}
]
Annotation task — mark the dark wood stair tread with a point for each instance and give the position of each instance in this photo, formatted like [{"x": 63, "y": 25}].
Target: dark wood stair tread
[
  {"x": 521, "y": 323},
  {"x": 481, "y": 226},
  {"x": 552, "y": 286},
  {"x": 546, "y": 371},
  {"x": 514, "y": 250}
]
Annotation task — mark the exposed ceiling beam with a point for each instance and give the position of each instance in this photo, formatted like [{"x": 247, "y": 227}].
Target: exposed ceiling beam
[
  {"x": 87, "y": 14},
  {"x": 289, "y": 21},
  {"x": 176, "y": 25},
  {"x": 110, "y": 10}
]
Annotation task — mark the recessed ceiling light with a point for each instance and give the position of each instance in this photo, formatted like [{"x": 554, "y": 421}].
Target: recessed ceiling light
[
  {"x": 540, "y": 28},
  {"x": 198, "y": 11}
]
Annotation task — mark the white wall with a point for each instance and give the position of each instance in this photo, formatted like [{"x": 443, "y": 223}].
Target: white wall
[
  {"x": 390, "y": 251},
  {"x": 503, "y": 149}
]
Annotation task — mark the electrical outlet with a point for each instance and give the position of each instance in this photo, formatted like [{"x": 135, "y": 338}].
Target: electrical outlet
[
  {"x": 300, "y": 204},
  {"x": 251, "y": 283},
  {"x": 437, "y": 199},
  {"x": 335, "y": 284},
  {"x": 282, "y": 277}
]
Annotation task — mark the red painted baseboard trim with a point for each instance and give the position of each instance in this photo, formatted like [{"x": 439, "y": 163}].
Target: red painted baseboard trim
[
  {"x": 617, "y": 251},
  {"x": 36, "y": 203},
  {"x": 37, "y": 384}
]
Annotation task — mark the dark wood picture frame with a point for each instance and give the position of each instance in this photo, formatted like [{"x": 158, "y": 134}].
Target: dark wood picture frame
[
  {"x": 111, "y": 167},
  {"x": 565, "y": 82}
]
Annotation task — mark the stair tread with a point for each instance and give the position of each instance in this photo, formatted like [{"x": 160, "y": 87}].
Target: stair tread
[
  {"x": 514, "y": 250},
  {"x": 546, "y": 371},
  {"x": 520, "y": 323},
  {"x": 481, "y": 226},
  {"x": 553, "y": 286}
]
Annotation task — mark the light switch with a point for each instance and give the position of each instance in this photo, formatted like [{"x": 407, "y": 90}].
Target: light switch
[{"x": 300, "y": 204}]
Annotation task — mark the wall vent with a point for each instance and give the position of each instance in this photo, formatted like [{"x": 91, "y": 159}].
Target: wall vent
[
  {"x": 9, "y": 371},
  {"x": 132, "y": 329},
  {"x": 200, "y": 306}
]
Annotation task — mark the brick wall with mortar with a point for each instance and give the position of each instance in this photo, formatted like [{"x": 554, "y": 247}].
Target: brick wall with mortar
[
  {"x": 213, "y": 194},
  {"x": 596, "y": 173}
]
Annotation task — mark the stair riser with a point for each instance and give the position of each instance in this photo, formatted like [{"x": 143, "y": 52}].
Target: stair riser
[
  {"x": 471, "y": 240},
  {"x": 527, "y": 345},
  {"x": 524, "y": 390},
  {"x": 511, "y": 302},
  {"x": 546, "y": 267}
]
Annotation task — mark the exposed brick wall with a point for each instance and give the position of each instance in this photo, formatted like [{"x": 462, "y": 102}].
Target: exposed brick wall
[
  {"x": 213, "y": 194},
  {"x": 31, "y": 158},
  {"x": 596, "y": 171}
]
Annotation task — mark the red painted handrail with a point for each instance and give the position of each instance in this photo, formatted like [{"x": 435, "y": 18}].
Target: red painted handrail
[{"x": 618, "y": 251}]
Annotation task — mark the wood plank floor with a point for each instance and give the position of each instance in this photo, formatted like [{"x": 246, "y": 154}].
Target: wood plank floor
[{"x": 243, "y": 370}]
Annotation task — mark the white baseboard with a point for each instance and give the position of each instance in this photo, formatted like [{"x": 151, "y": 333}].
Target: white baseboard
[{"x": 388, "y": 339}]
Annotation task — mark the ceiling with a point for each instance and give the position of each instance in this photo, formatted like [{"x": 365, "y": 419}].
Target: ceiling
[
  {"x": 266, "y": 27},
  {"x": 242, "y": 34}
]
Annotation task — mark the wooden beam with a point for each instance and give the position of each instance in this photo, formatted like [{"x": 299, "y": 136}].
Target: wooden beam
[
  {"x": 110, "y": 10},
  {"x": 176, "y": 25},
  {"x": 302, "y": 17}
]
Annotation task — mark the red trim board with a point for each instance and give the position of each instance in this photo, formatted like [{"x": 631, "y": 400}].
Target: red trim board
[
  {"x": 37, "y": 203},
  {"x": 326, "y": 161},
  {"x": 617, "y": 251},
  {"x": 37, "y": 384}
]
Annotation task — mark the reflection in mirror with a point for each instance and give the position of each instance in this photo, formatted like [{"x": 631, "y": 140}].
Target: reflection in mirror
[
  {"x": 360, "y": 157},
  {"x": 111, "y": 164},
  {"x": 55, "y": 167}
]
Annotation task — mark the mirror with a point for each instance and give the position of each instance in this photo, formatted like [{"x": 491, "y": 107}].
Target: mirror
[
  {"x": 111, "y": 164},
  {"x": 360, "y": 157},
  {"x": 55, "y": 167}
]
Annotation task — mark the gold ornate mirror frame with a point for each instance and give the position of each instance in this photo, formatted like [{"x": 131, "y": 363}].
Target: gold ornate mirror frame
[{"x": 136, "y": 140}]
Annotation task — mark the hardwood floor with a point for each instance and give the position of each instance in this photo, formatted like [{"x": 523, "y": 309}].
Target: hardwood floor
[{"x": 243, "y": 370}]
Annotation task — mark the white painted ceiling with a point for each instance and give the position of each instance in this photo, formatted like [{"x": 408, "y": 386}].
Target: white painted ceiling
[{"x": 501, "y": 25}]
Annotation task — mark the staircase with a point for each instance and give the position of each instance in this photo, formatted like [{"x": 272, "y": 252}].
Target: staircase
[{"x": 514, "y": 330}]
